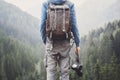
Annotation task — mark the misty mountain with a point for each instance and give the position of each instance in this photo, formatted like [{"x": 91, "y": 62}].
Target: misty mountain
[
  {"x": 19, "y": 24},
  {"x": 93, "y": 14}
]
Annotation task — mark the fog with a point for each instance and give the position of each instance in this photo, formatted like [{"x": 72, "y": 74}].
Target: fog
[{"x": 91, "y": 14}]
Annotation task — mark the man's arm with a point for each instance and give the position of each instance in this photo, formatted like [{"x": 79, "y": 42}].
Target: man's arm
[
  {"x": 43, "y": 22},
  {"x": 75, "y": 28}
]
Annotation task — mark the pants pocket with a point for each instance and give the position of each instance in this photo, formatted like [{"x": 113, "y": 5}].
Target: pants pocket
[{"x": 49, "y": 44}]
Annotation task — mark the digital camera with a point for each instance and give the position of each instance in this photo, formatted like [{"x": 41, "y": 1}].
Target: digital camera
[{"x": 78, "y": 69}]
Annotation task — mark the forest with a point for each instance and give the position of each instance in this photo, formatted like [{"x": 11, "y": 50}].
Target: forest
[
  {"x": 100, "y": 53},
  {"x": 22, "y": 51}
]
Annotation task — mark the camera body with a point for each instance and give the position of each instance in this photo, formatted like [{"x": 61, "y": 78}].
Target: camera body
[{"x": 78, "y": 69}]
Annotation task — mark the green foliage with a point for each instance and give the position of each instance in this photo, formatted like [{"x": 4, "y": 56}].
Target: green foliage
[
  {"x": 20, "y": 47},
  {"x": 17, "y": 59},
  {"x": 100, "y": 53}
]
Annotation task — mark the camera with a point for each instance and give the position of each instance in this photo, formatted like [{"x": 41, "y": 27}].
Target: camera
[{"x": 78, "y": 69}]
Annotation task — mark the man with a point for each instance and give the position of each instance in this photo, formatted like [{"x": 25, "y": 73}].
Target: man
[{"x": 57, "y": 51}]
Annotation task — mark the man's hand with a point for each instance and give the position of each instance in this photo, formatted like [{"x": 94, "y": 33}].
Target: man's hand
[{"x": 77, "y": 50}]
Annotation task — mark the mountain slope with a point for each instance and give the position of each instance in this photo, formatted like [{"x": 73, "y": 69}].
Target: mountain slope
[{"x": 18, "y": 24}]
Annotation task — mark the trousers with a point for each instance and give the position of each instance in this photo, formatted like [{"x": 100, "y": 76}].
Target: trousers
[{"x": 57, "y": 54}]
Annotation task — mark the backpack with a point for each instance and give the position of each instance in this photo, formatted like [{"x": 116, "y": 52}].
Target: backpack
[{"x": 58, "y": 25}]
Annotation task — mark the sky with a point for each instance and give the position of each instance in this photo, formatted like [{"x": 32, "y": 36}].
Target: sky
[
  {"x": 89, "y": 13},
  {"x": 27, "y": 4}
]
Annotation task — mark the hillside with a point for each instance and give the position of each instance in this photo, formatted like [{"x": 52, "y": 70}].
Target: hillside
[
  {"x": 17, "y": 59},
  {"x": 20, "y": 48},
  {"x": 100, "y": 52},
  {"x": 18, "y": 24}
]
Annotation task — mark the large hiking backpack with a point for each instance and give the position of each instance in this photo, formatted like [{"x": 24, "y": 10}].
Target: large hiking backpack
[{"x": 58, "y": 21}]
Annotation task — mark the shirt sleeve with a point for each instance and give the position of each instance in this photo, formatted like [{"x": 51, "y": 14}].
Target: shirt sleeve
[
  {"x": 74, "y": 26},
  {"x": 43, "y": 22}
]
